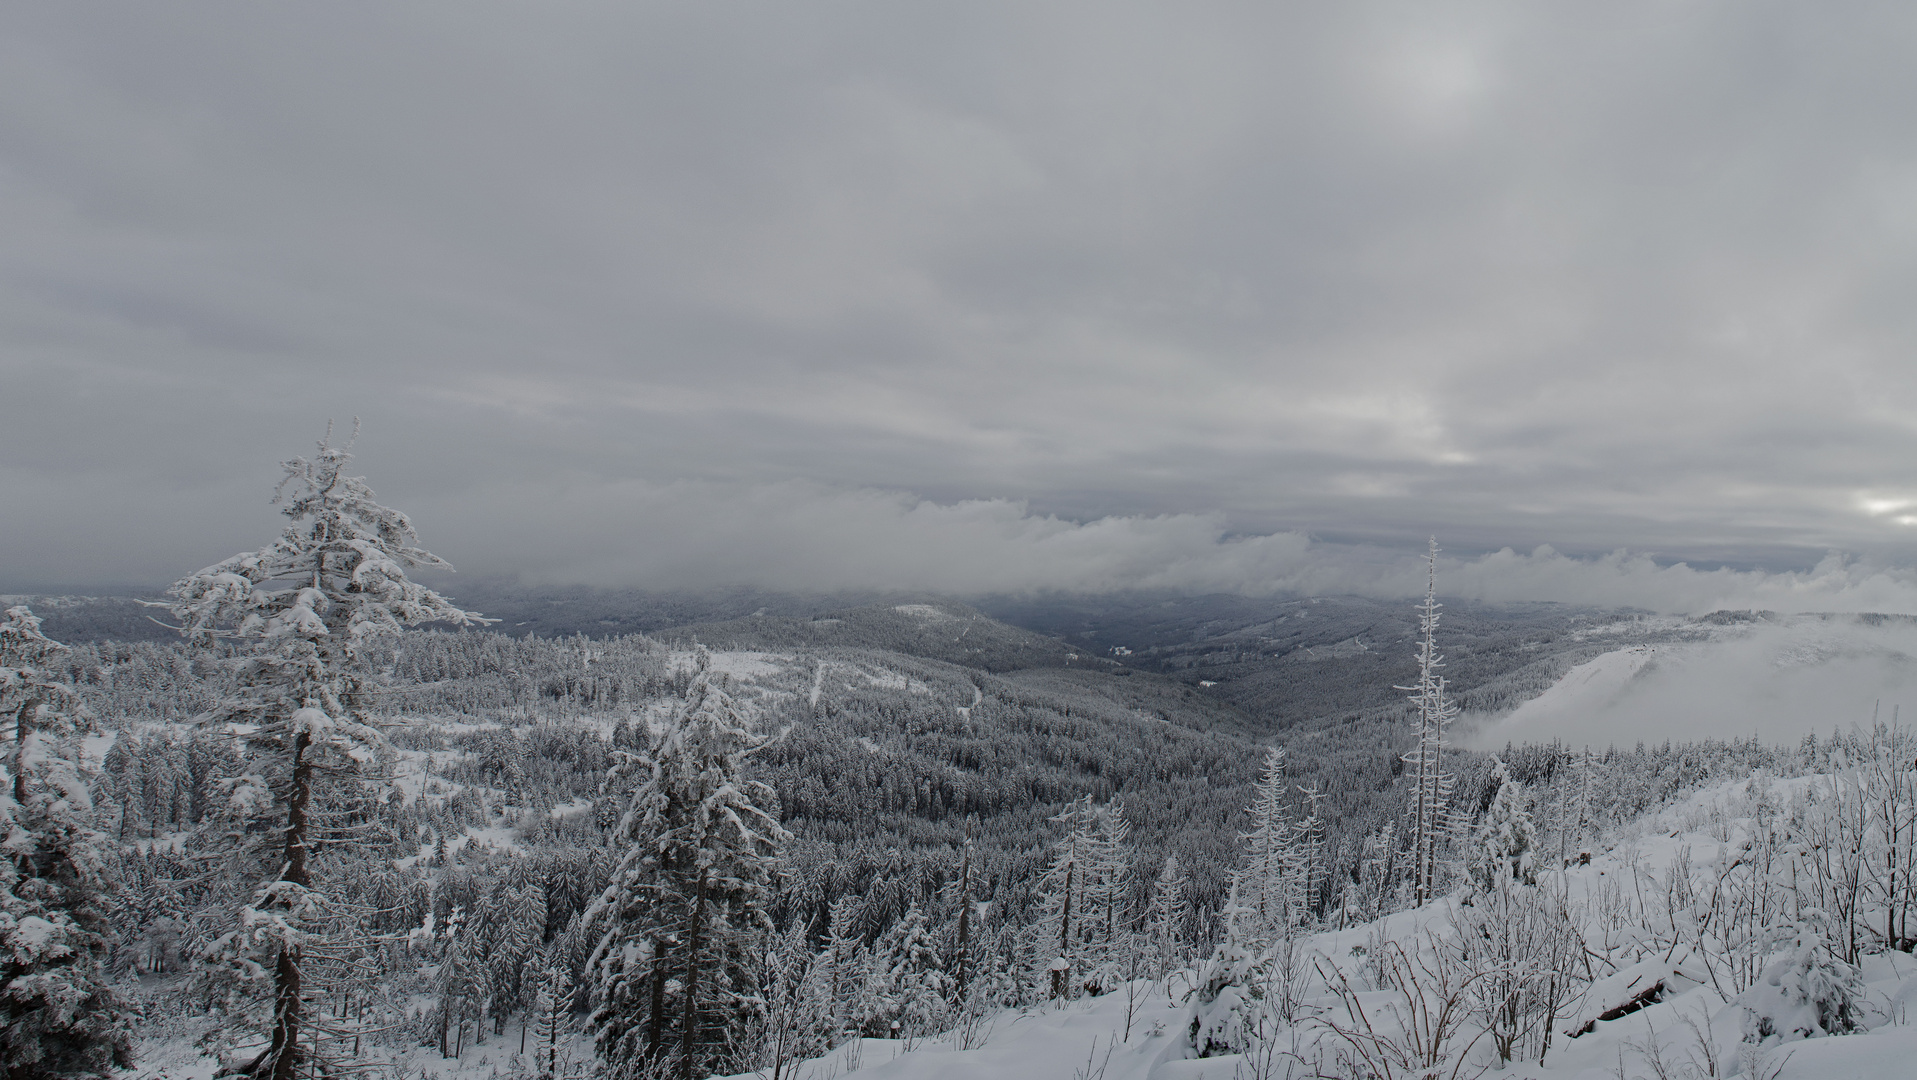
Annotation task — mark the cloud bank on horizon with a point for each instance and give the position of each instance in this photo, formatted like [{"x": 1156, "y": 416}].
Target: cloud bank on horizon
[
  {"x": 977, "y": 296},
  {"x": 801, "y": 537}
]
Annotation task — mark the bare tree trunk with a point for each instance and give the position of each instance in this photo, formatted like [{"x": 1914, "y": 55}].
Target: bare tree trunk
[
  {"x": 689, "y": 1038},
  {"x": 965, "y": 914},
  {"x": 287, "y": 985},
  {"x": 20, "y": 728},
  {"x": 1417, "y": 824},
  {"x": 1062, "y": 979},
  {"x": 656, "y": 1030},
  {"x": 1432, "y": 807},
  {"x": 656, "y": 1025},
  {"x": 284, "y": 1051},
  {"x": 298, "y": 799}
]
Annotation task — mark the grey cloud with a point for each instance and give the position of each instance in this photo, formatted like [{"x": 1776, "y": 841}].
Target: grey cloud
[{"x": 1631, "y": 277}]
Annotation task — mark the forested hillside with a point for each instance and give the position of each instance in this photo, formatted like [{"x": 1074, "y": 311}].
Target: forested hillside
[
  {"x": 337, "y": 819},
  {"x": 1317, "y": 662},
  {"x": 882, "y": 765},
  {"x": 935, "y": 631}
]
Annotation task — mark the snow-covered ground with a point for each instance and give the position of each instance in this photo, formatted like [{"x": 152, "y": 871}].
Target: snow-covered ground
[
  {"x": 1694, "y": 1032},
  {"x": 1085, "y": 1038},
  {"x": 176, "y": 1057}
]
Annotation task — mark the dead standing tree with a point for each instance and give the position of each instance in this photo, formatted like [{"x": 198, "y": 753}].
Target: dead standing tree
[{"x": 1431, "y": 786}]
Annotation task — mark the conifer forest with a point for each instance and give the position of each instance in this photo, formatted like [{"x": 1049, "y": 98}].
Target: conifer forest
[{"x": 331, "y": 823}]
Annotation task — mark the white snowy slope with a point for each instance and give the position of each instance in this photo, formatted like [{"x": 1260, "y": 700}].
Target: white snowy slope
[
  {"x": 1140, "y": 1037},
  {"x": 1777, "y": 680}
]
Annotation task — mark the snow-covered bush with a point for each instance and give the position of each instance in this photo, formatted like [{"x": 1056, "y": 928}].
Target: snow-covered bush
[
  {"x": 1417, "y": 1021},
  {"x": 1520, "y": 945},
  {"x": 1808, "y": 992},
  {"x": 1229, "y": 1003}
]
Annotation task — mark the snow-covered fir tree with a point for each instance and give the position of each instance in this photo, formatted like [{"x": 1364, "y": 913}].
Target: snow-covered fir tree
[
  {"x": 1806, "y": 992},
  {"x": 1007, "y": 973},
  {"x": 1083, "y": 933},
  {"x": 1263, "y": 910},
  {"x": 1506, "y": 845},
  {"x": 58, "y": 1018},
  {"x": 838, "y": 976},
  {"x": 551, "y": 1009},
  {"x": 1375, "y": 892},
  {"x": 522, "y": 925},
  {"x": 793, "y": 1020},
  {"x": 1226, "y": 1005},
  {"x": 911, "y": 984},
  {"x": 292, "y": 620},
  {"x": 1266, "y": 883},
  {"x": 1109, "y": 940},
  {"x": 458, "y": 986},
  {"x": 962, "y": 929},
  {"x": 1308, "y": 847},
  {"x": 1170, "y": 911},
  {"x": 678, "y": 926}
]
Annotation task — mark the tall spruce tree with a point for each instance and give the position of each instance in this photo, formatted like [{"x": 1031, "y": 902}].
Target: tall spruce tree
[
  {"x": 1110, "y": 951},
  {"x": 840, "y": 972},
  {"x": 550, "y": 1008},
  {"x": 58, "y": 1019},
  {"x": 294, "y": 619},
  {"x": 1170, "y": 911},
  {"x": 1308, "y": 877},
  {"x": 522, "y": 933},
  {"x": 913, "y": 986},
  {"x": 678, "y": 925}
]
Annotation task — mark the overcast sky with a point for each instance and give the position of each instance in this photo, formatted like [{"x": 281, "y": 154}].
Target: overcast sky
[{"x": 974, "y": 295}]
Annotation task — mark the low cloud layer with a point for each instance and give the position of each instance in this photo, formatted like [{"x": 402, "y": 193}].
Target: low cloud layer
[
  {"x": 801, "y": 536},
  {"x": 809, "y": 537}
]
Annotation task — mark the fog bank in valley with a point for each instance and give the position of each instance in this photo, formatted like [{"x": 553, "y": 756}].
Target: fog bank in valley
[{"x": 1776, "y": 681}]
